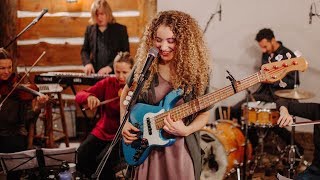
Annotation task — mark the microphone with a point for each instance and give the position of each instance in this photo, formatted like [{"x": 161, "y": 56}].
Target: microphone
[
  {"x": 44, "y": 11},
  {"x": 152, "y": 54},
  {"x": 220, "y": 11}
]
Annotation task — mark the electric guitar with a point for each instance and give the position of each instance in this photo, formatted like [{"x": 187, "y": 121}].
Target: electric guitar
[{"x": 149, "y": 119}]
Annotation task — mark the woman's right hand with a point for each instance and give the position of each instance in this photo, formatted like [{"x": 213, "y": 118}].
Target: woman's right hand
[
  {"x": 129, "y": 133},
  {"x": 92, "y": 102},
  {"x": 88, "y": 69}
]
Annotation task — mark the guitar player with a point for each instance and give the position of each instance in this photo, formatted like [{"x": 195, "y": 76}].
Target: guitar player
[{"x": 176, "y": 67}]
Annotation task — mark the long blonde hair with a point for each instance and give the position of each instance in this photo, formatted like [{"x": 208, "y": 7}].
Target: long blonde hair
[
  {"x": 191, "y": 55},
  {"x": 107, "y": 10}
]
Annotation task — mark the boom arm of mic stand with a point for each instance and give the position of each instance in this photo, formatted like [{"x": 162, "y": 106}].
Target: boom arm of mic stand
[
  {"x": 207, "y": 25},
  {"x": 17, "y": 36},
  {"x": 117, "y": 137}
]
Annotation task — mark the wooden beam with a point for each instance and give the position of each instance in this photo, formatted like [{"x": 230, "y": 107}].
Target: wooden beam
[
  {"x": 82, "y": 5},
  {"x": 8, "y": 14},
  {"x": 69, "y": 27},
  {"x": 56, "y": 54}
]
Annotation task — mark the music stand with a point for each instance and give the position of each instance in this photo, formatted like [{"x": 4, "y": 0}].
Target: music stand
[
  {"x": 54, "y": 157},
  {"x": 37, "y": 159},
  {"x": 18, "y": 161}
]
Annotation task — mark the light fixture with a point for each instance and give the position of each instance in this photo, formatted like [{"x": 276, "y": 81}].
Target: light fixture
[{"x": 71, "y": 1}]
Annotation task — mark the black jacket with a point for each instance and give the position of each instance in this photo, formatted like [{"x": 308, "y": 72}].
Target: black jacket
[{"x": 117, "y": 41}]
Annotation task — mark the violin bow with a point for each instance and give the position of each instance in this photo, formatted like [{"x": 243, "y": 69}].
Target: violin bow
[{"x": 103, "y": 102}]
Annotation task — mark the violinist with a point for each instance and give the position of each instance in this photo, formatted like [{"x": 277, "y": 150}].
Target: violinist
[
  {"x": 98, "y": 141},
  {"x": 15, "y": 112}
]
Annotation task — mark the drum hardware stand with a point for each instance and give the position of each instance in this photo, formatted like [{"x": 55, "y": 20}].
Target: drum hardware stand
[
  {"x": 259, "y": 157},
  {"x": 293, "y": 149},
  {"x": 244, "y": 167}
]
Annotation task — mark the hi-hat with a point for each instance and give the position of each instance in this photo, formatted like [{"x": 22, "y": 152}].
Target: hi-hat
[{"x": 294, "y": 94}]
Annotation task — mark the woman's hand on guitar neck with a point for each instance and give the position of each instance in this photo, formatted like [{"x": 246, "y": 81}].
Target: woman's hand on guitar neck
[
  {"x": 129, "y": 133},
  {"x": 177, "y": 128}
]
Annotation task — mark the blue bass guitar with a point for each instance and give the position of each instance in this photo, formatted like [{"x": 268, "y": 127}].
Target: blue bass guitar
[{"x": 149, "y": 118}]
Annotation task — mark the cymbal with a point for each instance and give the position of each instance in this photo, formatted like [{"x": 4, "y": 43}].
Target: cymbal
[{"x": 294, "y": 94}]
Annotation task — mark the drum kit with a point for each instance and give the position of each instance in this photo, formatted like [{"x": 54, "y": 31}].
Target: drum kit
[{"x": 227, "y": 149}]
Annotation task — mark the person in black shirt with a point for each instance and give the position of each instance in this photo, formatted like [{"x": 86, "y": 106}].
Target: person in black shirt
[
  {"x": 15, "y": 111},
  {"x": 103, "y": 40},
  {"x": 310, "y": 111},
  {"x": 272, "y": 51}
]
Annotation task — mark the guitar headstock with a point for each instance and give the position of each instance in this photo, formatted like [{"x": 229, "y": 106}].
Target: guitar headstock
[{"x": 275, "y": 71}]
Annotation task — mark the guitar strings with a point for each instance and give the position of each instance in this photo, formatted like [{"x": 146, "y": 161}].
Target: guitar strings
[{"x": 203, "y": 100}]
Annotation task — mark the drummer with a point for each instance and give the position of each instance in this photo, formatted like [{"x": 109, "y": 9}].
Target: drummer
[{"x": 272, "y": 51}]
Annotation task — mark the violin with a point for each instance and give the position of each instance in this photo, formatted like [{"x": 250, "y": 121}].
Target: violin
[
  {"x": 9, "y": 87},
  {"x": 24, "y": 92}
]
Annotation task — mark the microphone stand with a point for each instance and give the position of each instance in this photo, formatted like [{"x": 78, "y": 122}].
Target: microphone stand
[
  {"x": 211, "y": 17},
  {"x": 139, "y": 85},
  {"x": 18, "y": 35},
  {"x": 245, "y": 120}
]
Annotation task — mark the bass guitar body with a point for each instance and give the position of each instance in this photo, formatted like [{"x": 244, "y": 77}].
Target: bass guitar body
[{"x": 143, "y": 116}]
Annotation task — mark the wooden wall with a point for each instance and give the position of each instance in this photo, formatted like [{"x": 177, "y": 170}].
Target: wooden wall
[
  {"x": 60, "y": 32},
  {"x": 8, "y": 25}
]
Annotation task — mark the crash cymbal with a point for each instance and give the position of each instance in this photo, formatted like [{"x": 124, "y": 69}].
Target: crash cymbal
[{"x": 294, "y": 94}]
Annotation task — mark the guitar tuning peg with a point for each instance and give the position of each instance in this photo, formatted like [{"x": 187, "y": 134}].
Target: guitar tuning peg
[
  {"x": 125, "y": 102},
  {"x": 279, "y": 57},
  {"x": 128, "y": 98},
  {"x": 282, "y": 84},
  {"x": 130, "y": 93},
  {"x": 288, "y": 55},
  {"x": 297, "y": 53}
]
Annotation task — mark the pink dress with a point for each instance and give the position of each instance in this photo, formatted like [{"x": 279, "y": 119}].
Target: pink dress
[{"x": 167, "y": 163}]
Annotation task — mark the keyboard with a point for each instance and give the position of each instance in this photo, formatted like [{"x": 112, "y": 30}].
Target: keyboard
[
  {"x": 68, "y": 78},
  {"x": 49, "y": 88}
]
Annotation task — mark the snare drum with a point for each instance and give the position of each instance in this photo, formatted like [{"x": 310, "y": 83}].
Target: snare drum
[
  {"x": 224, "y": 149},
  {"x": 259, "y": 113}
]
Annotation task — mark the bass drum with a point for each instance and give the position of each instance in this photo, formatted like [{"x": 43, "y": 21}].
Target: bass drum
[{"x": 223, "y": 144}]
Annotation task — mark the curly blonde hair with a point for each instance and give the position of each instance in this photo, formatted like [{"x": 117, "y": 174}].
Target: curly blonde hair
[{"x": 191, "y": 54}]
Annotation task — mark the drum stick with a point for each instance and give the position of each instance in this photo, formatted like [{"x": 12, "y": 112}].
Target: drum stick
[{"x": 305, "y": 123}]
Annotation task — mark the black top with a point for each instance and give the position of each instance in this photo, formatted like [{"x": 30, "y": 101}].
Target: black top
[
  {"x": 100, "y": 48},
  {"x": 269, "y": 89},
  {"x": 14, "y": 113}
]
